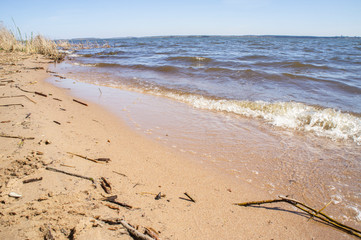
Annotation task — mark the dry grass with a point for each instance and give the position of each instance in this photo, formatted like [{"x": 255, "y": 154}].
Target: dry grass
[{"x": 39, "y": 45}]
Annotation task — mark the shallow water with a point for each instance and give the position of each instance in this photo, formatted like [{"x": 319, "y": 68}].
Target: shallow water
[{"x": 264, "y": 126}]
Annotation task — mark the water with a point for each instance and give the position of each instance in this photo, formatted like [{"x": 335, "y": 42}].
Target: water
[{"x": 279, "y": 113}]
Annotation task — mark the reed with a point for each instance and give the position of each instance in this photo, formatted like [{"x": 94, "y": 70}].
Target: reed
[{"x": 35, "y": 45}]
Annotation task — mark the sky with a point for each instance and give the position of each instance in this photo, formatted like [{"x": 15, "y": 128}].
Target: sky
[{"x": 123, "y": 18}]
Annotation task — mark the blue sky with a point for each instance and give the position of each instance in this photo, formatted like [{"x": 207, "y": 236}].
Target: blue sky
[{"x": 110, "y": 18}]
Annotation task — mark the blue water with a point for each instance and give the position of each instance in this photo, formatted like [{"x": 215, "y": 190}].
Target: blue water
[{"x": 308, "y": 84}]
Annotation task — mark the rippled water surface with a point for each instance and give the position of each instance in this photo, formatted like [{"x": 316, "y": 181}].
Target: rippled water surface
[{"x": 282, "y": 113}]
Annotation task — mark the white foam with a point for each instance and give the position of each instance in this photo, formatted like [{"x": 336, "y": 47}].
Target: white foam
[{"x": 323, "y": 122}]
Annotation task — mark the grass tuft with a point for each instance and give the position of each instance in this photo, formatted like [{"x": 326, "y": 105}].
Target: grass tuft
[{"x": 36, "y": 45}]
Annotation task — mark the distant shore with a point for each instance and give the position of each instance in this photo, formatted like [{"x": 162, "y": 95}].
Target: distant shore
[{"x": 51, "y": 132}]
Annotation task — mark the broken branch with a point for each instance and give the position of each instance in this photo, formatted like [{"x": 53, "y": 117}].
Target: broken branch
[
  {"x": 19, "y": 137},
  {"x": 311, "y": 211},
  {"x": 70, "y": 174},
  {"x": 80, "y": 102},
  {"x": 86, "y": 158},
  {"x": 111, "y": 199}
]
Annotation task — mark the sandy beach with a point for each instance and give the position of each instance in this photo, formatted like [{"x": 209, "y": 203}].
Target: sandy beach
[{"x": 52, "y": 130}]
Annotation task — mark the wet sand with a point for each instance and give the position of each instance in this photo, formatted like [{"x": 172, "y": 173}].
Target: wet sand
[{"x": 139, "y": 169}]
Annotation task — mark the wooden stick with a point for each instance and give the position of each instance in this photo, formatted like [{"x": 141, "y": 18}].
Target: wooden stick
[
  {"x": 57, "y": 99},
  {"x": 135, "y": 233},
  {"x": 80, "y": 102},
  {"x": 311, "y": 211},
  {"x": 121, "y": 174},
  {"x": 70, "y": 174},
  {"x": 9, "y": 105},
  {"x": 111, "y": 199},
  {"x": 86, "y": 158},
  {"x": 33, "y": 180},
  {"x": 57, "y": 122},
  {"x": 7, "y": 121},
  {"x": 19, "y": 96},
  {"x": 38, "y": 93},
  {"x": 152, "y": 233},
  {"x": 19, "y": 137},
  {"x": 105, "y": 184},
  {"x": 189, "y": 198}
]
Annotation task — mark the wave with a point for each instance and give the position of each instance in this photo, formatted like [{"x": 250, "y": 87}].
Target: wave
[
  {"x": 293, "y": 64},
  {"x": 326, "y": 122},
  {"x": 190, "y": 59},
  {"x": 163, "y": 69}
]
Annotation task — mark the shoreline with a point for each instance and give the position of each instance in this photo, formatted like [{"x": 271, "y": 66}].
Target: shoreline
[{"x": 60, "y": 203}]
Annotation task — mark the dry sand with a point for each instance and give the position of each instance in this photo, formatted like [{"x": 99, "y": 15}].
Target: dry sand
[{"x": 72, "y": 208}]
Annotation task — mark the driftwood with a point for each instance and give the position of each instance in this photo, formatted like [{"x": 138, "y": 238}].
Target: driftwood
[
  {"x": 311, "y": 211},
  {"x": 8, "y": 81},
  {"x": 33, "y": 180},
  {"x": 24, "y": 96},
  {"x": 27, "y": 115},
  {"x": 19, "y": 137},
  {"x": 105, "y": 184},
  {"x": 57, "y": 99},
  {"x": 131, "y": 230},
  {"x": 77, "y": 101},
  {"x": 7, "y": 121},
  {"x": 35, "y": 92},
  {"x": 64, "y": 165},
  {"x": 57, "y": 122},
  {"x": 188, "y": 199},
  {"x": 14, "y": 104},
  {"x": 111, "y": 199},
  {"x": 70, "y": 174}
]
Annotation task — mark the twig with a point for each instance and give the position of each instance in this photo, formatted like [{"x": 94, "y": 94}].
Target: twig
[
  {"x": 311, "y": 211},
  {"x": 135, "y": 233},
  {"x": 57, "y": 122},
  {"x": 19, "y": 137},
  {"x": 7, "y": 121},
  {"x": 32, "y": 180},
  {"x": 80, "y": 102},
  {"x": 38, "y": 93},
  {"x": 152, "y": 233},
  {"x": 70, "y": 174},
  {"x": 121, "y": 174},
  {"x": 19, "y": 96},
  {"x": 188, "y": 199},
  {"x": 64, "y": 165},
  {"x": 9, "y": 105},
  {"x": 90, "y": 159},
  {"x": 57, "y": 99},
  {"x": 105, "y": 184},
  {"x": 111, "y": 199}
]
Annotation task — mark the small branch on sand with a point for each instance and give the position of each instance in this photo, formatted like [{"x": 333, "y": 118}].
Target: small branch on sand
[
  {"x": 6, "y": 121},
  {"x": 7, "y": 81},
  {"x": 152, "y": 233},
  {"x": 77, "y": 101},
  {"x": 188, "y": 199},
  {"x": 121, "y": 174},
  {"x": 105, "y": 184},
  {"x": 33, "y": 180},
  {"x": 70, "y": 174},
  {"x": 311, "y": 211},
  {"x": 38, "y": 93},
  {"x": 131, "y": 230},
  {"x": 9, "y": 105},
  {"x": 19, "y": 96},
  {"x": 57, "y": 122},
  {"x": 111, "y": 199},
  {"x": 19, "y": 137},
  {"x": 57, "y": 99},
  {"x": 86, "y": 158}
]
